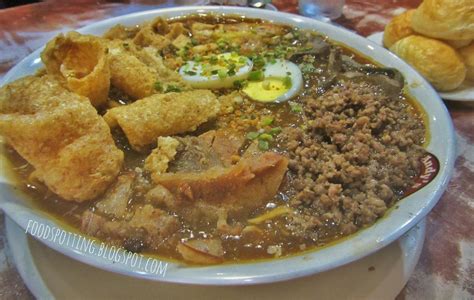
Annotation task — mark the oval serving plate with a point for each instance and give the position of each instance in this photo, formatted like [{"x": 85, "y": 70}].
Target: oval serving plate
[{"x": 409, "y": 211}]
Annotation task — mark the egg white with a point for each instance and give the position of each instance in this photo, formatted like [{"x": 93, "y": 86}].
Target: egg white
[{"x": 201, "y": 81}]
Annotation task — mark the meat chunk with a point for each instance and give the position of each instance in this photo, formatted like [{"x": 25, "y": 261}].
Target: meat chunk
[
  {"x": 225, "y": 143},
  {"x": 148, "y": 226},
  {"x": 115, "y": 200},
  {"x": 157, "y": 162},
  {"x": 61, "y": 135},
  {"x": 162, "y": 115},
  {"x": 215, "y": 148},
  {"x": 237, "y": 189}
]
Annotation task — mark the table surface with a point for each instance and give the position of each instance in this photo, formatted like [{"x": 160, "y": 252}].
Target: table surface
[{"x": 446, "y": 266}]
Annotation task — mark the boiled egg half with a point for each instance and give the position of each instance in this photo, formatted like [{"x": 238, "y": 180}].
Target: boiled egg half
[
  {"x": 278, "y": 81},
  {"x": 216, "y": 71}
]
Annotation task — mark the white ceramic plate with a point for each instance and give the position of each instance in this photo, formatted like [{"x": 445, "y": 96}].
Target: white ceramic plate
[
  {"x": 49, "y": 274},
  {"x": 398, "y": 221},
  {"x": 465, "y": 92}
]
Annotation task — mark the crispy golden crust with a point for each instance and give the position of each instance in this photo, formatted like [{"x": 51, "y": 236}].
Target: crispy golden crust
[
  {"x": 61, "y": 135},
  {"x": 398, "y": 28},
  {"x": 445, "y": 19},
  {"x": 158, "y": 33},
  {"x": 163, "y": 114},
  {"x": 138, "y": 71},
  {"x": 81, "y": 62},
  {"x": 157, "y": 162},
  {"x": 467, "y": 54},
  {"x": 439, "y": 63}
]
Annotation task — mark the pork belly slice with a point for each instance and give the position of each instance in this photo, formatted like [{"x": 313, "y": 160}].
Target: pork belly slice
[
  {"x": 163, "y": 115},
  {"x": 117, "y": 197},
  {"x": 202, "y": 196},
  {"x": 61, "y": 135},
  {"x": 148, "y": 227}
]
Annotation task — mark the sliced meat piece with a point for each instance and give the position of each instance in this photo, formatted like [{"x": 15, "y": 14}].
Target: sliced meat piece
[
  {"x": 61, "y": 135},
  {"x": 194, "y": 155},
  {"x": 163, "y": 115},
  {"x": 148, "y": 225},
  {"x": 160, "y": 196},
  {"x": 225, "y": 143},
  {"x": 214, "y": 148},
  {"x": 237, "y": 189},
  {"x": 115, "y": 200},
  {"x": 202, "y": 251}
]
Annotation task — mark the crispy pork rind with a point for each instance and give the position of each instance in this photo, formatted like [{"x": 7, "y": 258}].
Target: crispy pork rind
[
  {"x": 162, "y": 115},
  {"x": 121, "y": 32},
  {"x": 80, "y": 61},
  {"x": 61, "y": 135},
  {"x": 139, "y": 72},
  {"x": 159, "y": 34}
]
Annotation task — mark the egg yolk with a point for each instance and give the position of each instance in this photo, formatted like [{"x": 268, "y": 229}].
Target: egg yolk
[{"x": 267, "y": 90}]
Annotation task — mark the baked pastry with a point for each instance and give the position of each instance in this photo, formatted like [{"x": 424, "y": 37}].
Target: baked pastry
[
  {"x": 456, "y": 44},
  {"x": 439, "y": 63},
  {"x": 398, "y": 28},
  {"x": 467, "y": 54},
  {"x": 445, "y": 19}
]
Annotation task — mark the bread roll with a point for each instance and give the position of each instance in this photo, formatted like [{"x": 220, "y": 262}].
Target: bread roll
[
  {"x": 398, "y": 28},
  {"x": 439, "y": 63},
  {"x": 467, "y": 54},
  {"x": 456, "y": 44},
  {"x": 445, "y": 19}
]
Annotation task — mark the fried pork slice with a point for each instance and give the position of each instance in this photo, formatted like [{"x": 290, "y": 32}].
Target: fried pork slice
[
  {"x": 140, "y": 72},
  {"x": 61, "y": 135},
  {"x": 148, "y": 227},
  {"x": 163, "y": 115},
  {"x": 237, "y": 189},
  {"x": 80, "y": 61},
  {"x": 158, "y": 33}
]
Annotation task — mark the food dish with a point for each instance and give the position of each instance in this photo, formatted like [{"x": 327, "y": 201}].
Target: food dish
[
  {"x": 465, "y": 92},
  {"x": 434, "y": 33},
  {"x": 399, "y": 27},
  {"x": 445, "y": 19},
  {"x": 439, "y": 63},
  {"x": 276, "y": 159}
]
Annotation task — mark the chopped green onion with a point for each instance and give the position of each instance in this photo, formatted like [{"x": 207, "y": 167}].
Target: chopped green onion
[
  {"x": 258, "y": 61},
  {"x": 266, "y": 121},
  {"x": 172, "y": 88},
  {"x": 256, "y": 75},
  {"x": 263, "y": 145},
  {"x": 252, "y": 135},
  {"x": 191, "y": 73},
  {"x": 158, "y": 86},
  {"x": 275, "y": 130},
  {"x": 222, "y": 73},
  {"x": 295, "y": 107},
  {"x": 238, "y": 84},
  {"x": 266, "y": 137},
  {"x": 287, "y": 82},
  {"x": 194, "y": 42},
  {"x": 213, "y": 60}
]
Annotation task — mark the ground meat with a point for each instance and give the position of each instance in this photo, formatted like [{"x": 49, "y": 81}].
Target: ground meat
[{"x": 358, "y": 153}]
